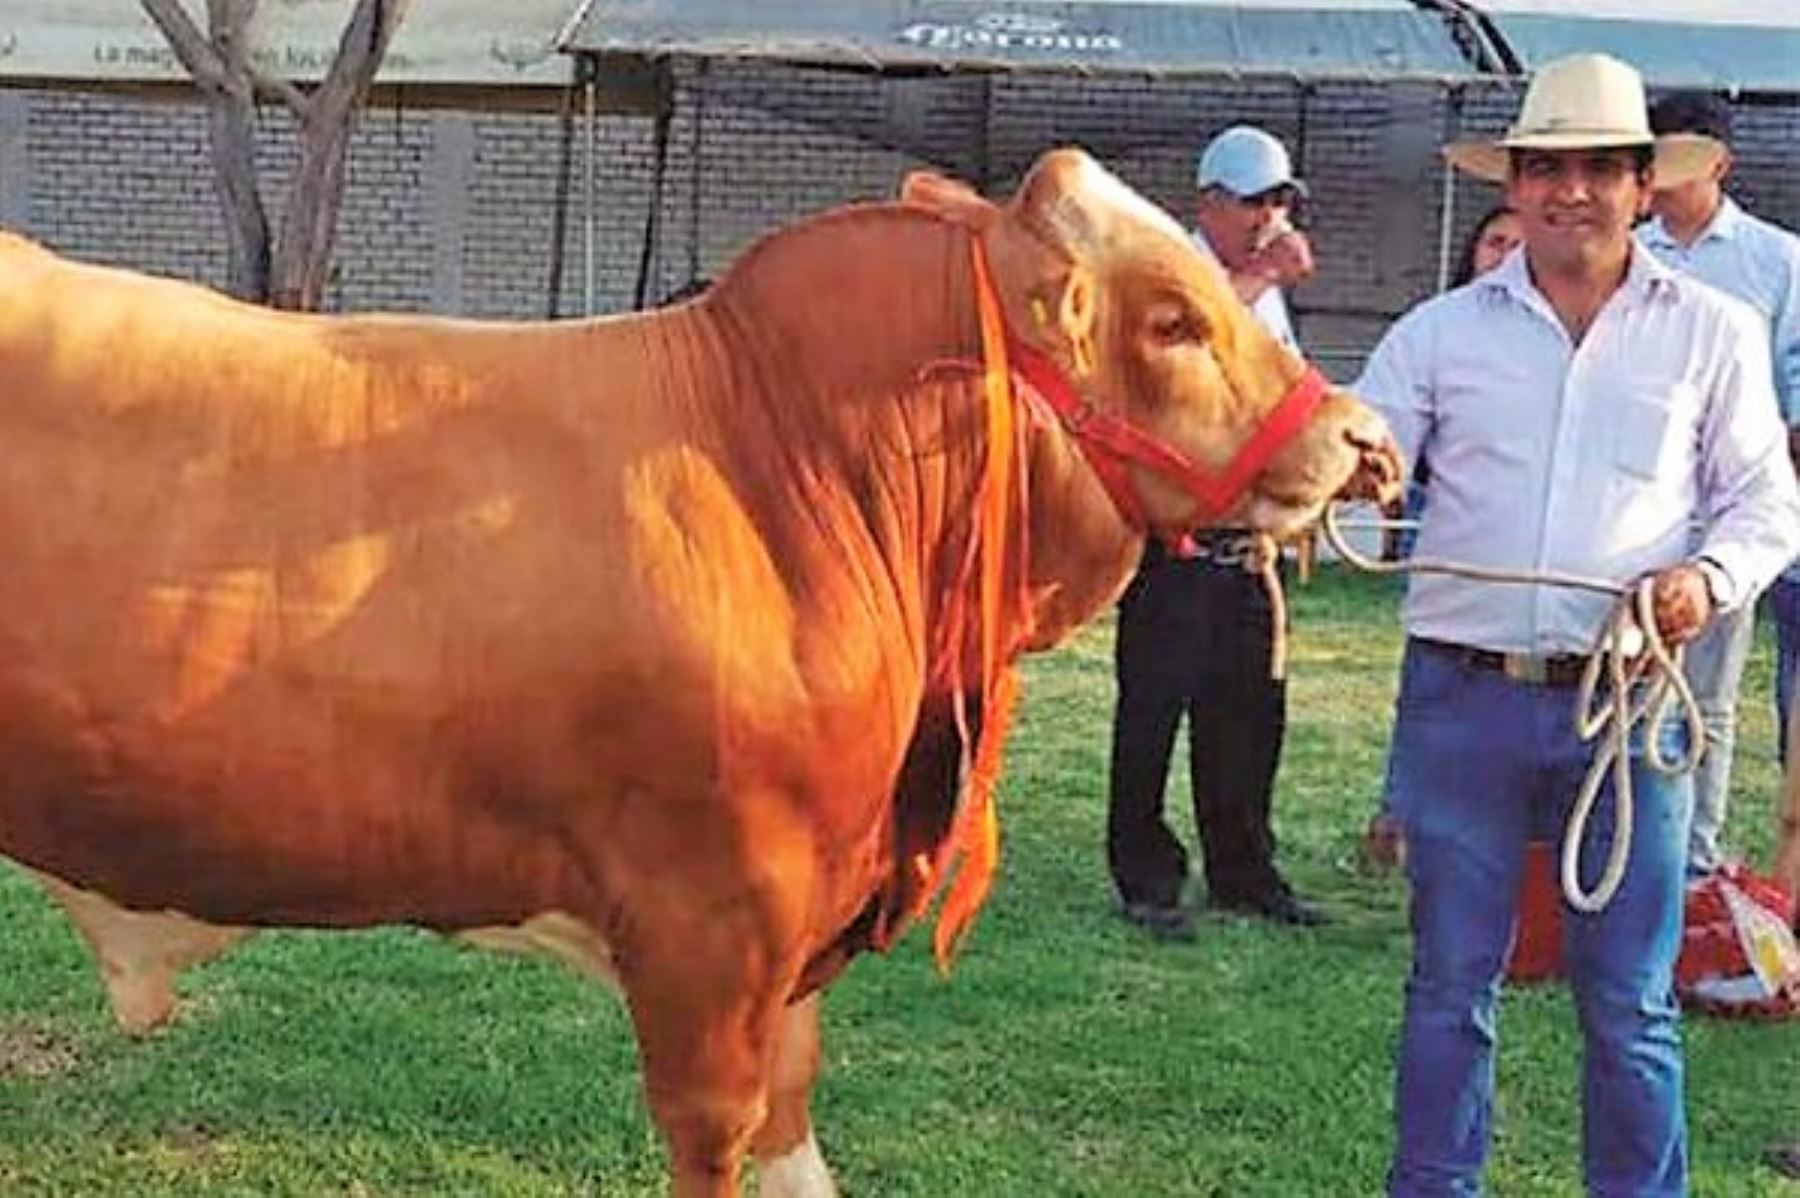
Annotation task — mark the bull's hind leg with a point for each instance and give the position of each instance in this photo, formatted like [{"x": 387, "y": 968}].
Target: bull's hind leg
[
  {"x": 786, "y": 1150},
  {"x": 139, "y": 952}
]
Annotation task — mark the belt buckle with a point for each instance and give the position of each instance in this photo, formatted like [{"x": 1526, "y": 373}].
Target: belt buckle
[
  {"x": 1233, "y": 551},
  {"x": 1525, "y": 667}
]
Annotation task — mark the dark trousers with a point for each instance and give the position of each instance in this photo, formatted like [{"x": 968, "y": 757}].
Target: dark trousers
[{"x": 1194, "y": 639}]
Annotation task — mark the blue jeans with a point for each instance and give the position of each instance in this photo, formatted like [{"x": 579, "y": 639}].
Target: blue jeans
[
  {"x": 1480, "y": 762},
  {"x": 1715, "y": 668},
  {"x": 1784, "y": 606}
]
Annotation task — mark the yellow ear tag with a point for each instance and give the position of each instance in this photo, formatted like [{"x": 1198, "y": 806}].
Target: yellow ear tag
[
  {"x": 1040, "y": 311},
  {"x": 1082, "y": 350}
]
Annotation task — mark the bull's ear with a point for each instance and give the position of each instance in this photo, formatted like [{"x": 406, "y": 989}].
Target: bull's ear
[
  {"x": 1075, "y": 311},
  {"x": 947, "y": 197}
]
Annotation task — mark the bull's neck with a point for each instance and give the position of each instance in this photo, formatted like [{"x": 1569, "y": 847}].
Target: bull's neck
[
  {"x": 841, "y": 312},
  {"x": 854, "y": 351},
  {"x": 1066, "y": 549}
]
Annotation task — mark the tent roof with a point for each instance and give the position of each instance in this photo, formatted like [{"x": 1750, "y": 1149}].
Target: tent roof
[
  {"x": 1747, "y": 45},
  {"x": 1303, "y": 38},
  {"x": 1731, "y": 45},
  {"x": 442, "y": 42}
]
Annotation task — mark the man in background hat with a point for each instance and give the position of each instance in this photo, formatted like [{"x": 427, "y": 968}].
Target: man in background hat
[
  {"x": 1584, "y": 408},
  {"x": 1195, "y": 633},
  {"x": 1699, "y": 230}
]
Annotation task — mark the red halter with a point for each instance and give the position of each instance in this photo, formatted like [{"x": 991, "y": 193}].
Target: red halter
[{"x": 1112, "y": 445}]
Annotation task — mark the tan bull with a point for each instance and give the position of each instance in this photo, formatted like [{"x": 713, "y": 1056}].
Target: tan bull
[{"x": 637, "y": 640}]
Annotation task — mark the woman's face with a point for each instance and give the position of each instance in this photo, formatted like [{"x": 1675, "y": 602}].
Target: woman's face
[{"x": 1497, "y": 241}]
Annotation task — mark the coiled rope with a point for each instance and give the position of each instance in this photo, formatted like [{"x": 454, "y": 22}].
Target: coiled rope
[{"x": 1632, "y": 657}]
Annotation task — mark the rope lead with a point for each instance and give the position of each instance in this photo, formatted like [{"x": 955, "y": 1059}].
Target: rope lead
[{"x": 1632, "y": 656}]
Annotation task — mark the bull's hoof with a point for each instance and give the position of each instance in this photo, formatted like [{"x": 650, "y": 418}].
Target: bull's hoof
[{"x": 141, "y": 1005}]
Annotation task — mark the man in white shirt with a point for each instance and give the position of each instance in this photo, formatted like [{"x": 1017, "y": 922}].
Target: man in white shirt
[
  {"x": 1699, "y": 230},
  {"x": 1195, "y": 633},
  {"x": 1583, "y": 407}
]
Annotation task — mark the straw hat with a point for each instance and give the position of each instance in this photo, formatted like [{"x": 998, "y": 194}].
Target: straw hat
[{"x": 1584, "y": 102}]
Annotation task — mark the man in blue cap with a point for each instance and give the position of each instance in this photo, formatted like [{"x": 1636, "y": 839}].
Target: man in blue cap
[
  {"x": 1195, "y": 633},
  {"x": 1248, "y": 192}
]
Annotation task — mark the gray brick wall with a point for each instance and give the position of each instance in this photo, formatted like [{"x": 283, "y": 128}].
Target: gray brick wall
[
  {"x": 456, "y": 211},
  {"x": 122, "y": 183}
]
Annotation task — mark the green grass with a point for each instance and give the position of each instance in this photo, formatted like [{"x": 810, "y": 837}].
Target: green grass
[{"x": 1068, "y": 1055}]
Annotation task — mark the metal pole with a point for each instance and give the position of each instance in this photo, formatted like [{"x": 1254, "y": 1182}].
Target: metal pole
[
  {"x": 1447, "y": 207},
  {"x": 589, "y": 246},
  {"x": 1446, "y": 226}
]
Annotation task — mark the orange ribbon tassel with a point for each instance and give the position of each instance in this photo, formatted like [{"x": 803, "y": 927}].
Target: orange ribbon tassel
[{"x": 974, "y": 841}]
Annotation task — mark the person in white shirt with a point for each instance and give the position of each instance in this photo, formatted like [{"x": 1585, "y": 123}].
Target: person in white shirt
[
  {"x": 1195, "y": 632},
  {"x": 1583, "y": 407},
  {"x": 1699, "y": 230}
]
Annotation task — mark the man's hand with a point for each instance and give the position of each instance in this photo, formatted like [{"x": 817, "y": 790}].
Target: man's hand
[
  {"x": 1286, "y": 260},
  {"x": 1379, "y": 476},
  {"x": 1681, "y": 602}
]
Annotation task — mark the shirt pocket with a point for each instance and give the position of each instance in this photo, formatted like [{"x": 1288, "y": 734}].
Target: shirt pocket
[{"x": 1655, "y": 428}]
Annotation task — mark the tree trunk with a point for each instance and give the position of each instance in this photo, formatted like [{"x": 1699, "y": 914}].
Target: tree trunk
[
  {"x": 303, "y": 254},
  {"x": 302, "y": 265},
  {"x": 295, "y": 273},
  {"x": 219, "y": 63},
  {"x": 233, "y": 129}
]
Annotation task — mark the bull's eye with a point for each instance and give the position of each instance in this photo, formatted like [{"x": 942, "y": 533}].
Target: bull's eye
[{"x": 1172, "y": 326}]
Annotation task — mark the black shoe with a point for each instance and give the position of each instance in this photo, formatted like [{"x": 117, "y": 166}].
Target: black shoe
[
  {"x": 1785, "y": 1159},
  {"x": 1169, "y": 924},
  {"x": 1275, "y": 903}
]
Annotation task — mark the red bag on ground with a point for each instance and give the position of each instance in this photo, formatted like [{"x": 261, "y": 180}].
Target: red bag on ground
[
  {"x": 1738, "y": 956},
  {"x": 1537, "y": 942}
]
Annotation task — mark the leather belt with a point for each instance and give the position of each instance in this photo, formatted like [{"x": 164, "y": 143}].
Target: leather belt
[
  {"x": 1218, "y": 546},
  {"x": 1537, "y": 669}
]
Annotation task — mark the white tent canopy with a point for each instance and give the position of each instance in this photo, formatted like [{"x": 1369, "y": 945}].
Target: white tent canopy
[{"x": 447, "y": 42}]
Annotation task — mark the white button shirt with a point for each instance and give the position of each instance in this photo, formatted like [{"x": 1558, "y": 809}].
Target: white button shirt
[
  {"x": 1758, "y": 263},
  {"x": 1593, "y": 459}
]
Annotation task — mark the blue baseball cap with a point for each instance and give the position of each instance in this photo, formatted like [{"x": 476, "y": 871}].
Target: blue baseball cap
[{"x": 1246, "y": 161}]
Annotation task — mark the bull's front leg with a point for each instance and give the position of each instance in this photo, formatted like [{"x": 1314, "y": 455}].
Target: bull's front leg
[
  {"x": 708, "y": 957},
  {"x": 706, "y": 1081},
  {"x": 786, "y": 1149}
]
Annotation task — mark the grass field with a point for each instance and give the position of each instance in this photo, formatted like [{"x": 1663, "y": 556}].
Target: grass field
[{"x": 1068, "y": 1055}]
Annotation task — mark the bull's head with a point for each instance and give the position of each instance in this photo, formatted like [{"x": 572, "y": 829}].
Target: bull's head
[{"x": 1147, "y": 340}]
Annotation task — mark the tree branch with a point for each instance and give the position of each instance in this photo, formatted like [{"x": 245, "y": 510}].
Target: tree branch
[
  {"x": 365, "y": 40},
  {"x": 202, "y": 60},
  {"x": 303, "y": 251},
  {"x": 272, "y": 88}
]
